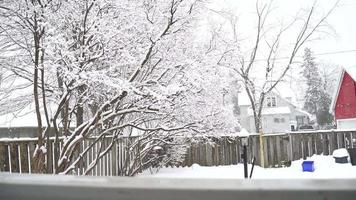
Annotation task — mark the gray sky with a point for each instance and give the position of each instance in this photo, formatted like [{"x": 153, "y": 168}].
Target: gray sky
[
  {"x": 336, "y": 45},
  {"x": 340, "y": 37}
]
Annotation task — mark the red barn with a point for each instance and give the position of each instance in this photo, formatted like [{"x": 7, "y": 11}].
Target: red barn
[{"x": 344, "y": 101}]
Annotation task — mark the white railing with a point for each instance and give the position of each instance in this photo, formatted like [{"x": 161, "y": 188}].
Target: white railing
[{"x": 55, "y": 187}]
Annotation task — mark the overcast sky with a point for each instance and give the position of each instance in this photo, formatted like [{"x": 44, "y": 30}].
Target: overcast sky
[
  {"x": 335, "y": 47},
  {"x": 341, "y": 38}
]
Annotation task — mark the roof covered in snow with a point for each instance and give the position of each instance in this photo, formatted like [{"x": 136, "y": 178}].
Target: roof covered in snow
[
  {"x": 23, "y": 118},
  {"x": 284, "y": 92},
  {"x": 272, "y": 110},
  {"x": 351, "y": 71}
]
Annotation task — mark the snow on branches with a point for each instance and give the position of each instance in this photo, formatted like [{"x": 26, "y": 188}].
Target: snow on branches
[{"x": 121, "y": 68}]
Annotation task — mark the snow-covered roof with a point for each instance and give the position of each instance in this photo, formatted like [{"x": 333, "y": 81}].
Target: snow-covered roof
[
  {"x": 311, "y": 117},
  {"x": 287, "y": 95},
  {"x": 24, "y": 118},
  {"x": 18, "y": 120},
  {"x": 351, "y": 71},
  {"x": 272, "y": 110},
  {"x": 243, "y": 133}
]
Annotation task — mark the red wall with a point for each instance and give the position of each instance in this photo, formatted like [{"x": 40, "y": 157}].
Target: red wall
[{"x": 346, "y": 101}]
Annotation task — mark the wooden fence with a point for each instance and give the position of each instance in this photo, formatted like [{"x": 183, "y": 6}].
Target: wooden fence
[
  {"x": 16, "y": 155},
  {"x": 279, "y": 150}
]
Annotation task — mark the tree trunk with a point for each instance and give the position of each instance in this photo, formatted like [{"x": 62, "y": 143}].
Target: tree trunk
[
  {"x": 80, "y": 109},
  {"x": 258, "y": 126},
  {"x": 39, "y": 154}
]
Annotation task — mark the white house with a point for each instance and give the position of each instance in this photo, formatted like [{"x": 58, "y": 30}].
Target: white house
[{"x": 278, "y": 114}]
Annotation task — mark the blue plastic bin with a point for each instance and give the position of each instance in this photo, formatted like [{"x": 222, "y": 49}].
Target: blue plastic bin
[{"x": 308, "y": 166}]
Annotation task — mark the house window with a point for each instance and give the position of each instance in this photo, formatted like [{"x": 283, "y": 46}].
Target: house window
[
  {"x": 271, "y": 101},
  {"x": 279, "y": 120}
]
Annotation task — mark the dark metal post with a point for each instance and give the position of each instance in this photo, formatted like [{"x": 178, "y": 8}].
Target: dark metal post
[
  {"x": 245, "y": 162},
  {"x": 253, "y": 166}
]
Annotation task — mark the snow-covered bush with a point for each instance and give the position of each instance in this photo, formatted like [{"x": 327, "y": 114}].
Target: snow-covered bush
[{"x": 119, "y": 68}]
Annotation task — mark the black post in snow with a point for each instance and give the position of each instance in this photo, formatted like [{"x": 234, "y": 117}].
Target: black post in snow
[{"x": 245, "y": 162}]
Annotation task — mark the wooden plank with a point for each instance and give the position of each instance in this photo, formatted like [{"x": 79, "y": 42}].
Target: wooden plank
[
  {"x": 224, "y": 152},
  {"x": 348, "y": 140},
  {"x": 208, "y": 153},
  {"x": 333, "y": 142},
  {"x": 229, "y": 150},
  {"x": 353, "y": 140},
  {"x": 325, "y": 141},
  {"x": 197, "y": 153},
  {"x": 305, "y": 146},
  {"x": 250, "y": 152},
  {"x": 265, "y": 151},
  {"x": 289, "y": 147},
  {"x": 31, "y": 147},
  {"x": 340, "y": 140},
  {"x": 202, "y": 155},
  {"x": 286, "y": 149},
  {"x": 271, "y": 149},
  {"x": 14, "y": 157},
  {"x": 217, "y": 153},
  {"x": 279, "y": 146},
  {"x": 309, "y": 140},
  {"x": 238, "y": 150},
  {"x": 296, "y": 147},
  {"x": 319, "y": 143},
  {"x": 233, "y": 151},
  {"x": 221, "y": 152},
  {"x": 313, "y": 143},
  {"x": 251, "y": 149},
  {"x": 3, "y": 155},
  {"x": 24, "y": 157}
]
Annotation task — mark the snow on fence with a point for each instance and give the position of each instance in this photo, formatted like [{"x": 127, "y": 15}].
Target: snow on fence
[
  {"x": 16, "y": 155},
  {"x": 279, "y": 150}
]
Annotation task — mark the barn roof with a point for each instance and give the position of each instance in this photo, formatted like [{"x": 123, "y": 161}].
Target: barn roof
[{"x": 351, "y": 70}]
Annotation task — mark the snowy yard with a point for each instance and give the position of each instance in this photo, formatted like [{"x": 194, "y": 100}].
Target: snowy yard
[{"x": 325, "y": 167}]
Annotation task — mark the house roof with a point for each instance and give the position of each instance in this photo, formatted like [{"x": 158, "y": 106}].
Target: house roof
[
  {"x": 245, "y": 101},
  {"x": 352, "y": 72},
  {"x": 272, "y": 110},
  {"x": 284, "y": 92},
  {"x": 303, "y": 112},
  {"x": 24, "y": 118}
]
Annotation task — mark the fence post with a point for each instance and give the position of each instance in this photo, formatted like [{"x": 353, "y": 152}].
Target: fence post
[{"x": 290, "y": 153}]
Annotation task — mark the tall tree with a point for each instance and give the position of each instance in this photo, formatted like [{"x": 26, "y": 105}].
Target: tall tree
[
  {"x": 317, "y": 100},
  {"x": 313, "y": 81},
  {"x": 119, "y": 68},
  {"x": 259, "y": 62}
]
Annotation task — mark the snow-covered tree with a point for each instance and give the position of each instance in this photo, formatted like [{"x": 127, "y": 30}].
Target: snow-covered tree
[
  {"x": 258, "y": 61},
  {"x": 316, "y": 99},
  {"x": 122, "y": 68}
]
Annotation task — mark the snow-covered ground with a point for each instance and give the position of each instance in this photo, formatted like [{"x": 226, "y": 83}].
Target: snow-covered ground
[{"x": 325, "y": 167}]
